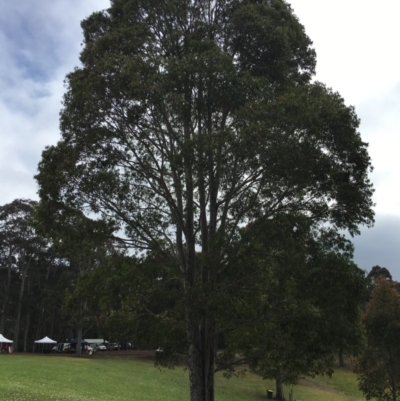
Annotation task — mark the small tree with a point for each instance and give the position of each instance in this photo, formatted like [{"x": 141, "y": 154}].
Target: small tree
[
  {"x": 313, "y": 295},
  {"x": 378, "y": 368}
]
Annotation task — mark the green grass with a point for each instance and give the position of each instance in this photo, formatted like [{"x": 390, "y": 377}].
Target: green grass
[{"x": 61, "y": 378}]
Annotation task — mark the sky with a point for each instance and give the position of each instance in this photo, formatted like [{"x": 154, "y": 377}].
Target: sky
[{"x": 356, "y": 42}]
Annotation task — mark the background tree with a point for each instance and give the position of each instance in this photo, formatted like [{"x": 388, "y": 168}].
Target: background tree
[
  {"x": 375, "y": 274},
  {"x": 312, "y": 294},
  {"x": 22, "y": 252},
  {"x": 378, "y": 271},
  {"x": 188, "y": 119},
  {"x": 378, "y": 368},
  {"x": 137, "y": 299},
  {"x": 84, "y": 245},
  {"x": 37, "y": 272},
  {"x": 55, "y": 277},
  {"x": 7, "y": 262}
]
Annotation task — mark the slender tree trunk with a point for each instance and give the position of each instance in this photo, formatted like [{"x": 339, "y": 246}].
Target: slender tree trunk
[
  {"x": 42, "y": 320},
  {"x": 27, "y": 326},
  {"x": 52, "y": 323},
  {"x": 3, "y": 309},
  {"x": 342, "y": 362},
  {"x": 21, "y": 297},
  {"x": 28, "y": 317},
  {"x": 79, "y": 343},
  {"x": 202, "y": 362},
  {"x": 38, "y": 326},
  {"x": 279, "y": 390},
  {"x": 6, "y": 295}
]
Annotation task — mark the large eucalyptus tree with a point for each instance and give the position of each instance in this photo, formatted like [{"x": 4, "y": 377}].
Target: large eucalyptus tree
[{"x": 191, "y": 118}]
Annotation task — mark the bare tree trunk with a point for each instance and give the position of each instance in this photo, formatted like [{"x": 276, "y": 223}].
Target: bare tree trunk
[
  {"x": 79, "y": 343},
  {"x": 28, "y": 317},
  {"x": 3, "y": 309},
  {"x": 342, "y": 362},
  {"x": 279, "y": 390},
  {"x": 21, "y": 296},
  {"x": 27, "y": 325},
  {"x": 6, "y": 294},
  {"x": 52, "y": 323},
  {"x": 202, "y": 362}
]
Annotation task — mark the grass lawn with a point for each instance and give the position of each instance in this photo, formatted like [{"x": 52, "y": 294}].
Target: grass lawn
[{"x": 66, "y": 378}]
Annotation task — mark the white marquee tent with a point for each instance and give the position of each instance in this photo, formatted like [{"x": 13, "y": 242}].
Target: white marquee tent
[
  {"x": 4, "y": 340},
  {"x": 5, "y": 348},
  {"x": 46, "y": 340}
]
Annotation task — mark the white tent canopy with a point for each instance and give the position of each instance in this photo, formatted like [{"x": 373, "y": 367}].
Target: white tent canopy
[
  {"x": 46, "y": 340},
  {"x": 4, "y": 340}
]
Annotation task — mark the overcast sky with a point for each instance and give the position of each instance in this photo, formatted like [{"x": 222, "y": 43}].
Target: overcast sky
[{"x": 357, "y": 55}]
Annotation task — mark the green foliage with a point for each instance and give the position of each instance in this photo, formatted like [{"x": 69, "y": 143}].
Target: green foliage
[
  {"x": 378, "y": 368},
  {"x": 25, "y": 262},
  {"x": 141, "y": 111},
  {"x": 310, "y": 294},
  {"x": 137, "y": 298}
]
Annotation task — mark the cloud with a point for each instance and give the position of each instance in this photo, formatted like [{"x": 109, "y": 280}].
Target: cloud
[
  {"x": 355, "y": 43},
  {"x": 380, "y": 126},
  {"x": 380, "y": 245},
  {"x": 39, "y": 44}
]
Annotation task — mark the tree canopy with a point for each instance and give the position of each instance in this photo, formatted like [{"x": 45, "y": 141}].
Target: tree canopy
[
  {"x": 27, "y": 270},
  {"x": 188, "y": 120},
  {"x": 311, "y": 293},
  {"x": 378, "y": 367}
]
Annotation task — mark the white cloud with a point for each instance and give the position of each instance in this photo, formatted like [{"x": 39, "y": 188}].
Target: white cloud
[
  {"x": 356, "y": 44},
  {"x": 37, "y": 50}
]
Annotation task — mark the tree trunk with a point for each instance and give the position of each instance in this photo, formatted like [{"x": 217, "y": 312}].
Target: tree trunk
[
  {"x": 52, "y": 323},
  {"x": 39, "y": 326},
  {"x": 202, "y": 361},
  {"x": 21, "y": 296},
  {"x": 28, "y": 317},
  {"x": 342, "y": 362},
  {"x": 27, "y": 325},
  {"x": 79, "y": 343},
  {"x": 279, "y": 390},
  {"x": 6, "y": 294},
  {"x": 3, "y": 310}
]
